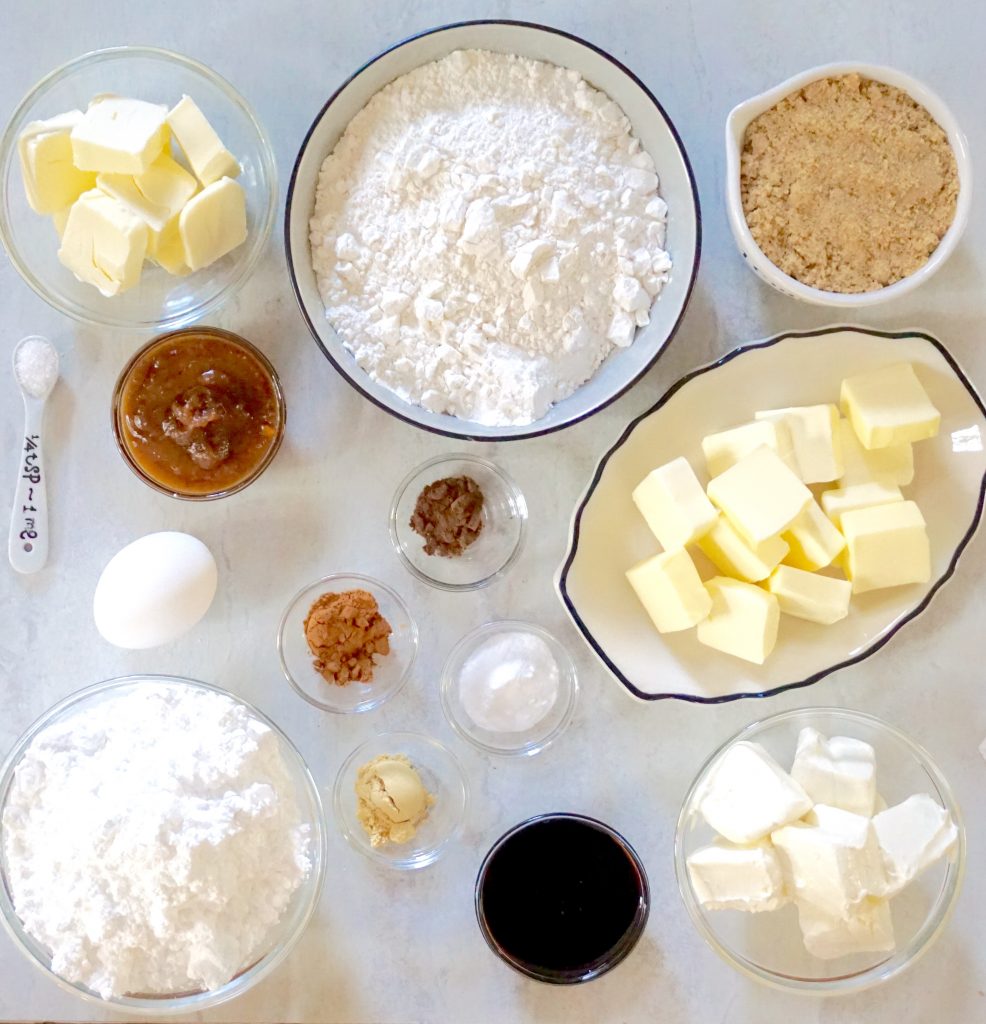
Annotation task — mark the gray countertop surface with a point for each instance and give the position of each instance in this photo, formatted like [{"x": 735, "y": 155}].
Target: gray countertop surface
[{"x": 396, "y": 947}]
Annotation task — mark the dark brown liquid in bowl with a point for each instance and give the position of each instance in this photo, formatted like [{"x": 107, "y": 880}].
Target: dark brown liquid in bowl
[{"x": 198, "y": 412}]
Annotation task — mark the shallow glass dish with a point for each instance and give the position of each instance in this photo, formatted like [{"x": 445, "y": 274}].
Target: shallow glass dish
[
  {"x": 521, "y": 744},
  {"x": 390, "y": 672},
  {"x": 283, "y": 936},
  {"x": 120, "y": 432},
  {"x": 494, "y": 550},
  {"x": 442, "y": 777},
  {"x": 768, "y": 946},
  {"x": 159, "y": 300}
]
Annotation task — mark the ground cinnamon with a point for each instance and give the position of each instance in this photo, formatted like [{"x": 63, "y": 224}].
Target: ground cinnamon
[{"x": 344, "y": 633}]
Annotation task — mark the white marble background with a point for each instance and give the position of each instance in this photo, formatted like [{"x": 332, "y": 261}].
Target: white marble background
[{"x": 388, "y": 947}]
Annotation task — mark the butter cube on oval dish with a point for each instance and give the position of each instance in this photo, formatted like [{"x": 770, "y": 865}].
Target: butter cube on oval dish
[
  {"x": 743, "y": 620},
  {"x": 886, "y": 546},
  {"x": 806, "y": 595},
  {"x": 671, "y": 590},
  {"x": 889, "y": 406},
  {"x": 672, "y": 501}
]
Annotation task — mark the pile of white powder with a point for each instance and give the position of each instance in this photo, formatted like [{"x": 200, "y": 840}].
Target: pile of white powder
[
  {"x": 153, "y": 840},
  {"x": 485, "y": 232}
]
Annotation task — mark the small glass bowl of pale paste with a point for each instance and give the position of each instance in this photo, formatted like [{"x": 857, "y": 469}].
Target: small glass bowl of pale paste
[
  {"x": 442, "y": 777},
  {"x": 509, "y": 687},
  {"x": 498, "y": 544}
]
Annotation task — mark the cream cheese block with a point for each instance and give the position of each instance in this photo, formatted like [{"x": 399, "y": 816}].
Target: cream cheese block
[
  {"x": 671, "y": 590},
  {"x": 869, "y": 929},
  {"x": 730, "y": 877},
  {"x": 743, "y": 620},
  {"x": 673, "y": 504},
  {"x": 838, "y": 772},
  {"x": 913, "y": 835},
  {"x": 889, "y": 406}
]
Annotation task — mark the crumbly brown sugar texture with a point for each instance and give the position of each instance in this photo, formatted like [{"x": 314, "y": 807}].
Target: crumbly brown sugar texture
[
  {"x": 344, "y": 633},
  {"x": 848, "y": 185}
]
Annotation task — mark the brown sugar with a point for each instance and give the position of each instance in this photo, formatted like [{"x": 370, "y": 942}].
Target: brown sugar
[
  {"x": 848, "y": 184},
  {"x": 449, "y": 515},
  {"x": 344, "y": 633}
]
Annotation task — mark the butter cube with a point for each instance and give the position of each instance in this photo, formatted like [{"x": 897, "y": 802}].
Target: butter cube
[
  {"x": 729, "y": 877},
  {"x": 869, "y": 929},
  {"x": 157, "y": 195},
  {"x": 806, "y": 595},
  {"x": 837, "y": 772},
  {"x": 119, "y": 136},
  {"x": 886, "y": 546},
  {"x": 913, "y": 836},
  {"x": 213, "y": 223},
  {"x": 104, "y": 244},
  {"x": 832, "y": 860},
  {"x": 60, "y": 218},
  {"x": 672, "y": 501},
  {"x": 812, "y": 540},
  {"x": 731, "y": 555},
  {"x": 743, "y": 620},
  {"x": 726, "y": 448},
  {"x": 760, "y": 495},
  {"x": 671, "y": 590},
  {"x": 748, "y": 795},
  {"x": 165, "y": 248},
  {"x": 814, "y": 431},
  {"x": 207, "y": 156},
  {"x": 894, "y": 464},
  {"x": 889, "y": 406},
  {"x": 841, "y": 500},
  {"x": 52, "y": 182}
]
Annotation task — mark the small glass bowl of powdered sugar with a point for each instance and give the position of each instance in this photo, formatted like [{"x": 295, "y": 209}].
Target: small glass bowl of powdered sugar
[{"x": 509, "y": 687}]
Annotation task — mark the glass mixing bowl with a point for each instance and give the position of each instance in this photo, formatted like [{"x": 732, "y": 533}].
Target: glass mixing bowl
[
  {"x": 768, "y": 946},
  {"x": 159, "y": 300},
  {"x": 282, "y": 937}
]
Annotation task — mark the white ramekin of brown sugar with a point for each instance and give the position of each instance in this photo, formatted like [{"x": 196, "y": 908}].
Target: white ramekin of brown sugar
[{"x": 739, "y": 121}]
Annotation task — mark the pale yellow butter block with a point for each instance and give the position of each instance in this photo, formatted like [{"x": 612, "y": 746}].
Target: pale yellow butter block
[
  {"x": 672, "y": 501},
  {"x": 213, "y": 223},
  {"x": 889, "y": 406},
  {"x": 732, "y": 556},
  {"x": 760, "y": 496},
  {"x": 726, "y": 448},
  {"x": 165, "y": 248},
  {"x": 157, "y": 195},
  {"x": 886, "y": 546},
  {"x": 671, "y": 590},
  {"x": 52, "y": 182},
  {"x": 104, "y": 244},
  {"x": 813, "y": 540},
  {"x": 895, "y": 463},
  {"x": 60, "y": 218},
  {"x": 207, "y": 156},
  {"x": 841, "y": 500},
  {"x": 814, "y": 433},
  {"x": 743, "y": 620},
  {"x": 119, "y": 136},
  {"x": 806, "y": 595}
]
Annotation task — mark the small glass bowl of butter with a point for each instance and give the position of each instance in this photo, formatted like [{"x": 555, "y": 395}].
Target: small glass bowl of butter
[
  {"x": 769, "y": 945},
  {"x": 159, "y": 299}
]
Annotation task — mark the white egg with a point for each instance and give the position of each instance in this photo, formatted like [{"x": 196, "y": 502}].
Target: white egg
[{"x": 154, "y": 590}]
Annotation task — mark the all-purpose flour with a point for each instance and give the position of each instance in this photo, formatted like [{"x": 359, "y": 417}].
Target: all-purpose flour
[
  {"x": 485, "y": 232},
  {"x": 153, "y": 840}
]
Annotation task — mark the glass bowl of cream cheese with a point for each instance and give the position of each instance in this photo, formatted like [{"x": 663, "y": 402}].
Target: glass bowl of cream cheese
[{"x": 820, "y": 851}]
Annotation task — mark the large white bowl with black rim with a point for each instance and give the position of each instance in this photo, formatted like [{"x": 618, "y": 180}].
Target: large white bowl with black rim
[
  {"x": 650, "y": 123},
  {"x": 608, "y": 534}
]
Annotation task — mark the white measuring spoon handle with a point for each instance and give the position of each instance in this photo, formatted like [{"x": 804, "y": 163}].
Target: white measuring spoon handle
[{"x": 28, "y": 546}]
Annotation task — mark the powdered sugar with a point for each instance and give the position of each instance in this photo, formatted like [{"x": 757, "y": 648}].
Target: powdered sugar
[
  {"x": 153, "y": 840},
  {"x": 485, "y": 232}
]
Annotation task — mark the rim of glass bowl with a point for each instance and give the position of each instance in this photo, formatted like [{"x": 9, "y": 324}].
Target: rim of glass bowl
[
  {"x": 565, "y": 665},
  {"x": 436, "y": 852},
  {"x": 372, "y": 583},
  {"x": 262, "y": 232},
  {"x": 246, "y": 979},
  {"x": 517, "y": 501},
  {"x": 900, "y": 959},
  {"x": 620, "y": 951},
  {"x": 234, "y": 339}
]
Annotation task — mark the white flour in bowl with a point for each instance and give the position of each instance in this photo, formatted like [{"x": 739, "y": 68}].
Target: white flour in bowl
[
  {"x": 485, "y": 232},
  {"x": 153, "y": 840}
]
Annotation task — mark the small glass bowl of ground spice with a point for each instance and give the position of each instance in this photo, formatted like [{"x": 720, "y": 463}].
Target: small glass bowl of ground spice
[
  {"x": 198, "y": 413},
  {"x": 457, "y": 522},
  {"x": 847, "y": 185},
  {"x": 347, "y": 643}
]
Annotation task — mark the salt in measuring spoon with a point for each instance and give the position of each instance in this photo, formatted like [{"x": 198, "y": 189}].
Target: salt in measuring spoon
[{"x": 35, "y": 370}]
